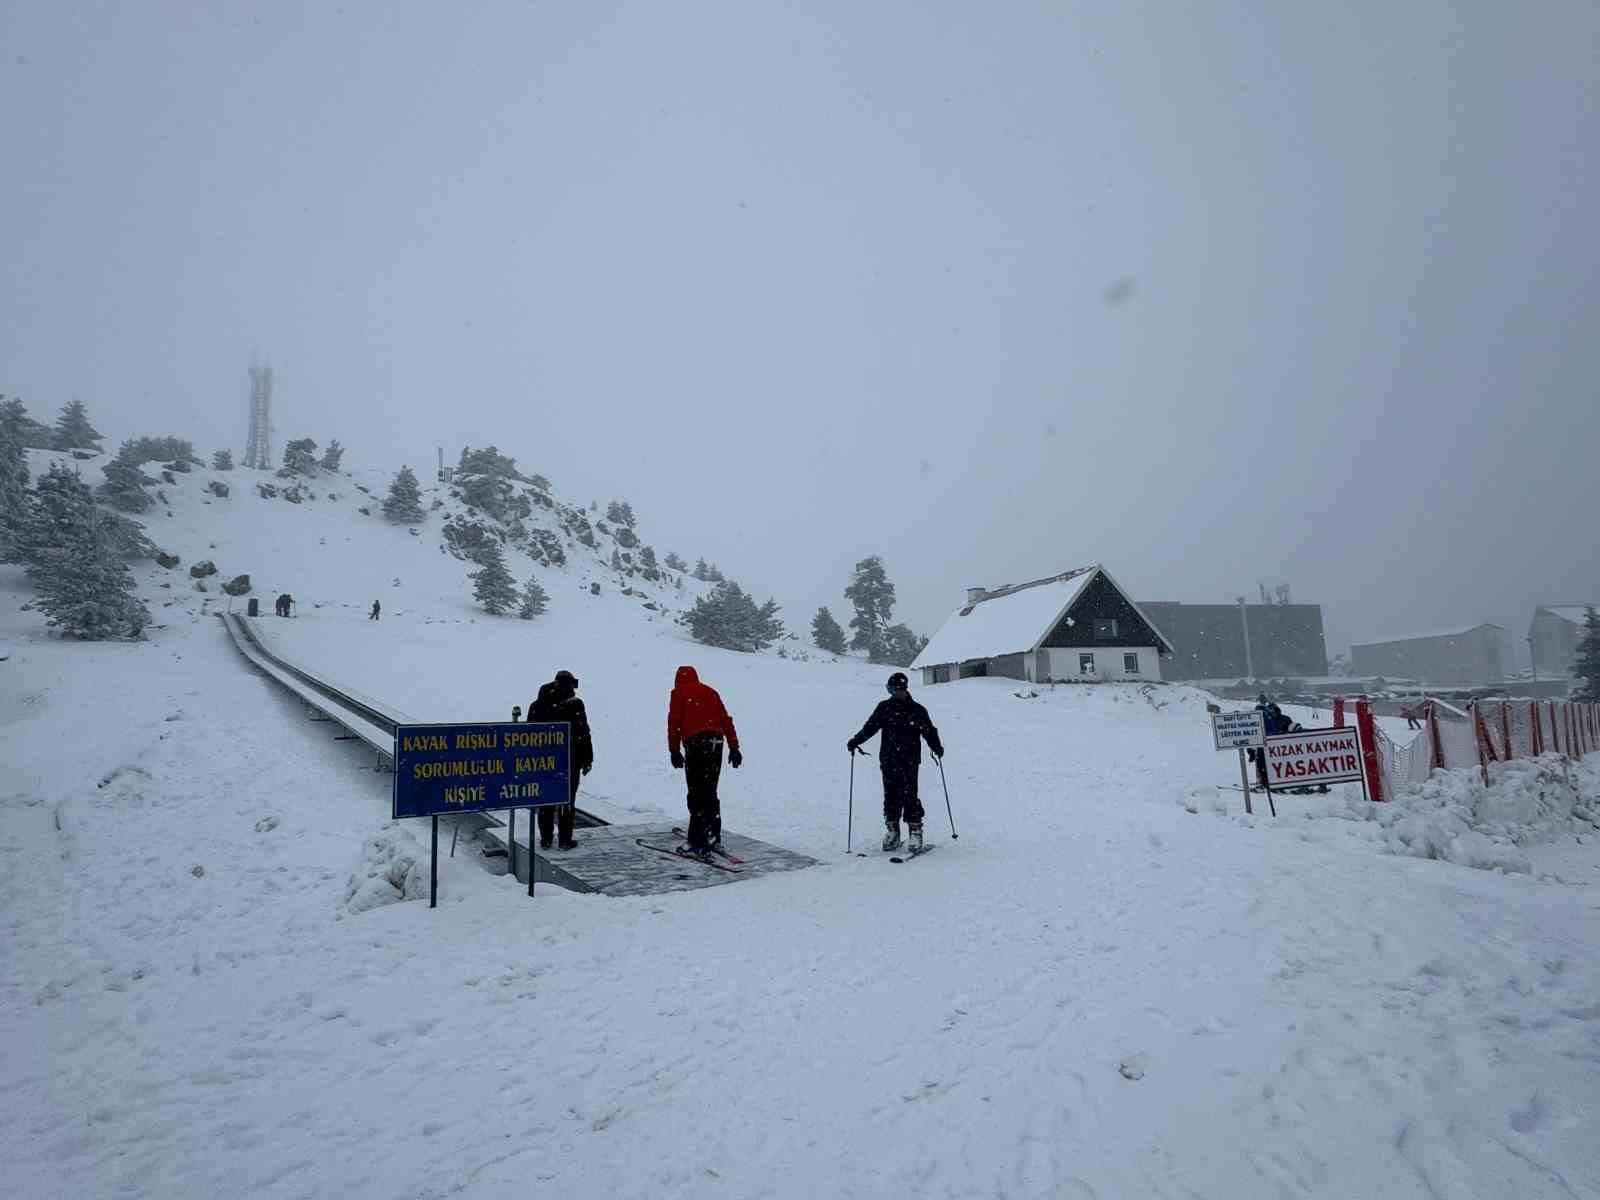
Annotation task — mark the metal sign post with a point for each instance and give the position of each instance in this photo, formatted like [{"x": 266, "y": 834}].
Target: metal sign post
[{"x": 1235, "y": 731}]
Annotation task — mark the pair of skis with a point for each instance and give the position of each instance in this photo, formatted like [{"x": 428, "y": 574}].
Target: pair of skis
[
  {"x": 905, "y": 855},
  {"x": 730, "y": 863}
]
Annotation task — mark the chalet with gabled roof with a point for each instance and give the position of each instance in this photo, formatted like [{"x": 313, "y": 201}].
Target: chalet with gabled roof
[{"x": 1076, "y": 626}]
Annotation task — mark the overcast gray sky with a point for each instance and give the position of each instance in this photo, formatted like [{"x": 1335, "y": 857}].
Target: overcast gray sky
[{"x": 1212, "y": 293}]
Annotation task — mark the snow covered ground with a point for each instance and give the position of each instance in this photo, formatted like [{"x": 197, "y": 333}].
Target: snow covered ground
[{"x": 1113, "y": 985}]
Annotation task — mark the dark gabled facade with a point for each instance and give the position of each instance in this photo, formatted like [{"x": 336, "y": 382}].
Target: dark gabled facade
[{"x": 1101, "y": 616}]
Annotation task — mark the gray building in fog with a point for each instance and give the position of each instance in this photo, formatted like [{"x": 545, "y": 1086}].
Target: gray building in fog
[
  {"x": 1452, "y": 657},
  {"x": 1555, "y": 631},
  {"x": 1286, "y": 640}
]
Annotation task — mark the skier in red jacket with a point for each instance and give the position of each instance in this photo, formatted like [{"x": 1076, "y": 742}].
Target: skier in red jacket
[{"x": 697, "y": 725}]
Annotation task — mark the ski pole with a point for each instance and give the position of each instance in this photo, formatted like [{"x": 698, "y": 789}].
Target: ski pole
[
  {"x": 850, "y": 828},
  {"x": 954, "y": 836}
]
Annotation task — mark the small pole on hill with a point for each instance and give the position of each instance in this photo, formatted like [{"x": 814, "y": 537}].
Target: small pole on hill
[{"x": 1244, "y": 780}]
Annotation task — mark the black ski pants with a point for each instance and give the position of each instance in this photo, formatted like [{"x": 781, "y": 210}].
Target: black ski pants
[
  {"x": 900, "y": 793},
  {"x": 562, "y": 813},
  {"x": 702, "y": 767}
]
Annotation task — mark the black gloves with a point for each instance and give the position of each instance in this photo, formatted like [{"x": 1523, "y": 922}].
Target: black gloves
[
  {"x": 852, "y": 746},
  {"x": 734, "y": 757},
  {"x": 585, "y": 769},
  {"x": 677, "y": 760}
]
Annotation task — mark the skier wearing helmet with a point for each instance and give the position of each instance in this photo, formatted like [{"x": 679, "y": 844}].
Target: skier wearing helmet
[{"x": 904, "y": 724}]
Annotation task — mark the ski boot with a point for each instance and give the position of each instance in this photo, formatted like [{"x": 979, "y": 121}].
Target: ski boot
[
  {"x": 891, "y": 836},
  {"x": 914, "y": 839}
]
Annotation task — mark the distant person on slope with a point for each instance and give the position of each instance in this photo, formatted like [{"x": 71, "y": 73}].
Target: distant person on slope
[
  {"x": 905, "y": 724},
  {"x": 558, "y": 701},
  {"x": 697, "y": 725},
  {"x": 376, "y": 610}
]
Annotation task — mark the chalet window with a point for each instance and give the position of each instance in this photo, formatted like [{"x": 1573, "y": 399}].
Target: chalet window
[
  {"x": 1105, "y": 628},
  {"x": 1130, "y": 663},
  {"x": 1085, "y": 664}
]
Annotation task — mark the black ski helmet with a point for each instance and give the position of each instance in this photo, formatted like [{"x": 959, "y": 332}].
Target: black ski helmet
[
  {"x": 567, "y": 678},
  {"x": 898, "y": 682}
]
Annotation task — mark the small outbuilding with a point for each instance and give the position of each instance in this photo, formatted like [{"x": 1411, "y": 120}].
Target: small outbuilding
[{"x": 1078, "y": 626}]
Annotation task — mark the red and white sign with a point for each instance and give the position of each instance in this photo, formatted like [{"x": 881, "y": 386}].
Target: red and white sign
[{"x": 1313, "y": 756}]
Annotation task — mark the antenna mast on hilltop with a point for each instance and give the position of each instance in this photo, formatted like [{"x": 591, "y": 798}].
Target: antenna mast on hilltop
[{"x": 258, "y": 447}]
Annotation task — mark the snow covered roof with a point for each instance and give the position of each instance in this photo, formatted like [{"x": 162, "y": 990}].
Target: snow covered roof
[
  {"x": 1458, "y": 631},
  {"x": 1012, "y": 619},
  {"x": 1567, "y": 612}
]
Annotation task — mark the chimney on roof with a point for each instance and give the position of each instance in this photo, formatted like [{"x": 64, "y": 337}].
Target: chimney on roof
[{"x": 974, "y": 594}]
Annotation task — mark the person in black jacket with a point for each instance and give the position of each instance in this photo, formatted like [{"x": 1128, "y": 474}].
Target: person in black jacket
[
  {"x": 558, "y": 701},
  {"x": 905, "y": 724}
]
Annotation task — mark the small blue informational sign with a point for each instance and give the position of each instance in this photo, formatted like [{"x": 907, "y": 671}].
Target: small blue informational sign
[{"x": 442, "y": 769}]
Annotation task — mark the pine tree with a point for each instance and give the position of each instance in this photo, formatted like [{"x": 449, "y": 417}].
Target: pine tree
[
  {"x": 616, "y": 560},
  {"x": 13, "y": 491},
  {"x": 901, "y": 646},
  {"x": 300, "y": 457},
  {"x": 1587, "y": 666},
  {"x": 727, "y": 616},
  {"x": 403, "y": 504},
  {"x": 826, "y": 633},
  {"x": 769, "y": 627},
  {"x": 619, "y": 512},
  {"x": 492, "y": 585},
  {"x": 701, "y": 571},
  {"x": 82, "y": 585},
  {"x": 872, "y": 596},
  {"x": 647, "y": 556},
  {"x": 73, "y": 431},
  {"x": 222, "y": 460},
  {"x": 674, "y": 562},
  {"x": 28, "y": 433},
  {"x": 714, "y": 573},
  {"x": 125, "y": 483},
  {"x": 534, "y": 600},
  {"x": 332, "y": 455}
]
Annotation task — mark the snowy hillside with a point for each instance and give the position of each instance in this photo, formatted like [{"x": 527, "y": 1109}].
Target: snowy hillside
[
  {"x": 1114, "y": 984},
  {"x": 325, "y": 541}
]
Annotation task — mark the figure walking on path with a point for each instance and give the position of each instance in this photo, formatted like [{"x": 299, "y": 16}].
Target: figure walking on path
[
  {"x": 905, "y": 725},
  {"x": 558, "y": 701},
  {"x": 376, "y": 610},
  {"x": 697, "y": 726}
]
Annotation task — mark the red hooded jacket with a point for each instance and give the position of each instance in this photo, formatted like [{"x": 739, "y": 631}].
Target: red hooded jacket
[{"x": 696, "y": 708}]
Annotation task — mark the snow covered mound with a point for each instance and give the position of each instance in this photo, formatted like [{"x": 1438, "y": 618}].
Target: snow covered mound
[
  {"x": 393, "y": 867},
  {"x": 1454, "y": 816}
]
